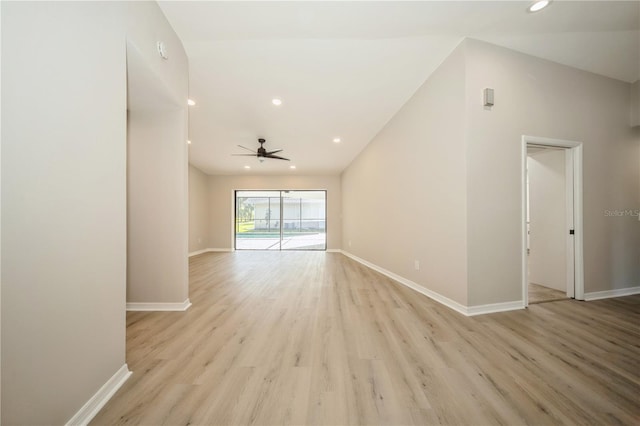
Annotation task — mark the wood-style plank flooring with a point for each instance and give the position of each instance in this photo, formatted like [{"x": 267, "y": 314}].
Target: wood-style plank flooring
[
  {"x": 540, "y": 294},
  {"x": 316, "y": 338}
]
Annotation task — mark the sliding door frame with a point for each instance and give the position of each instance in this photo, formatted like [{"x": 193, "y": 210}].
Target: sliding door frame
[{"x": 234, "y": 211}]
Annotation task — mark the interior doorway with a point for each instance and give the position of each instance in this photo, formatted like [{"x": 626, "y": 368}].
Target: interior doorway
[
  {"x": 547, "y": 216},
  {"x": 552, "y": 220},
  {"x": 280, "y": 220}
]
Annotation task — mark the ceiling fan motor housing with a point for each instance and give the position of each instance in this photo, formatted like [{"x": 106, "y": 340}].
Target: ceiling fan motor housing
[{"x": 261, "y": 151}]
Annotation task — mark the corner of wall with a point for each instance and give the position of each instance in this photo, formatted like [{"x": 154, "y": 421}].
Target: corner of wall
[
  {"x": 199, "y": 210},
  {"x": 93, "y": 406},
  {"x": 422, "y": 168},
  {"x": 634, "y": 118},
  {"x": 546, "y": 99}
]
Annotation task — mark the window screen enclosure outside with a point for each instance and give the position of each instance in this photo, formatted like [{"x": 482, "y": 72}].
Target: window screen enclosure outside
[{"x": 280, "y": 220}]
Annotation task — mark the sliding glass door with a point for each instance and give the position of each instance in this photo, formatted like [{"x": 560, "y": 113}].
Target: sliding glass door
[
  {"x": 304, "y": 223},
  {"x": 257, "y": 220},
  {"x": 280, "y": 220}
]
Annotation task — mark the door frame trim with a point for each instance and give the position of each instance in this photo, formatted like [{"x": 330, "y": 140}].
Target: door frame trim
[{"x": 574, "y": 149}]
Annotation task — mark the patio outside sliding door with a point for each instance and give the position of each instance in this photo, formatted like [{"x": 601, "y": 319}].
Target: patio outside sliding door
[{"x": 280, "y": 220}]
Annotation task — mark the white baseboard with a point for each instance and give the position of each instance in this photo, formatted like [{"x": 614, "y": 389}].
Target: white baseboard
[
  {"x": 491, "y": 308},
  {"x": 100, "y": 398},
  {"x": 209, "y": 250},
  {"x": 595, "y": 295},
  {"x": 333, "y": 251},
  {"x": 458, "y": 307},
  {"x": 412, "y": 285},
  {"x": 197, "y": 252},
  {"x": 159, "y": 306}
]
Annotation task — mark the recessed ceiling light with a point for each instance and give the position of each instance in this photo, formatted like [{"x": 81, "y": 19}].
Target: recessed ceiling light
[
  {"x": 247, "y": 167},
  {"x": 336, "y": 140},
  {"x": 276, "y": 101},
  {"x": 188, "y": 142},
  {"x": 292, "y": 167},
  {"x": 539, "y": 5},
  {"x": 191, "y": 102}
]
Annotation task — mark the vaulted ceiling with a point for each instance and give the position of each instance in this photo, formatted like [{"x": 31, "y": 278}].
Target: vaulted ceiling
[{"x": 343, "y": 69}]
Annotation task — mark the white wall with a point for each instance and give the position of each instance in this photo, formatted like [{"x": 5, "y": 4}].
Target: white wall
[
  {"x": 64, "y": 74},
  {"x": 541, "y": 98},
  {"x": 146, "y": 25},
  {"x": 199, "y": 213},
  {"x": 418, "y": 192},
  {"x": 221, "y": 202},
  {"x": 548, "y": 218},
  {"x": 404, "y": 196},
  {"x": 157, "y": 167},
  {"x": 63, "y": 206},
  {"x": 0, "y": 219},
  {"x": 157, "y": 267}
]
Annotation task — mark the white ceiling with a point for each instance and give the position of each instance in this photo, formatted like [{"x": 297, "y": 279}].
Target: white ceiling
[{"x": 345, "y": 68}]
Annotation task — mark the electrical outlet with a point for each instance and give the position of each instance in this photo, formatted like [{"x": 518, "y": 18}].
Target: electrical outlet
[
  {"x": 199, "y": 240},
  {"x": 349, "y": 243},
  {"x": 416, "y": 264}
]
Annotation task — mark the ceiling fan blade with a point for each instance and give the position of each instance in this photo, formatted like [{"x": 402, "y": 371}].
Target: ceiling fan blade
[
  {"x": 274, "y": 152},
  {"x": 276, "y": 157},
  {"x": 244, "y": 155},
  {"x": 244, "y": 147}
]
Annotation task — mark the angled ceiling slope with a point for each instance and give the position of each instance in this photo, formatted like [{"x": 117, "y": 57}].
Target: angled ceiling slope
[{"x": 343, "y": 69}]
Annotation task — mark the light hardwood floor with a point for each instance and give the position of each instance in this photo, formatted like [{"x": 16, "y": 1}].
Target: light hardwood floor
[
  {"x": 316, "y": 338},
  {"x": 540, "y": 294}
]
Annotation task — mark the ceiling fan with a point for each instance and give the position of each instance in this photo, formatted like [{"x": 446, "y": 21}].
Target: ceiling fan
[{"x": 262, "y": 153}]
